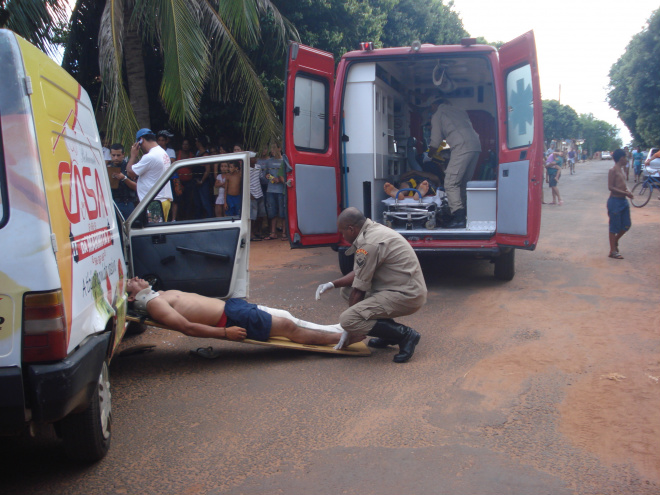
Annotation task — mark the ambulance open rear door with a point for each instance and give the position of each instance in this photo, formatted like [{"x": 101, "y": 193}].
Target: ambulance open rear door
[
  {"x": 520, "y": 120},
  {"x": 310, "y": 147}
]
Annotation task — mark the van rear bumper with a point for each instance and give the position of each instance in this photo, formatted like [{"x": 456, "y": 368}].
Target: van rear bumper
[
  {"x": 55, "y": 390},
  {"x": 12, "y": 405}
]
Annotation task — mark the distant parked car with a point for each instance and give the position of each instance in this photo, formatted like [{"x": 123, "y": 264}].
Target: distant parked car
[
  {"x": 654, "y": 166},
  {"x": 605, "y": 155}
]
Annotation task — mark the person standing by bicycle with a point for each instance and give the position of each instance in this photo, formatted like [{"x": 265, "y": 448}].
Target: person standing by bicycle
[{"x": 618, "y": 208}]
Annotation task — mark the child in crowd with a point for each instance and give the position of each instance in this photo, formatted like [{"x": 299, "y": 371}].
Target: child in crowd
[
  {"x": 554, "y": 172},
  {"x": 233, "y": 181},
  {"x": 220, "y": 181}
]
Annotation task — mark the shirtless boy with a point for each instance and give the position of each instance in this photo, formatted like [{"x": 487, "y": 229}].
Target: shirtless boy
[
  {"x": 618, "y": 208},
  {"x": 233, "y": 190},
  {"x": 234, "y": 319}
]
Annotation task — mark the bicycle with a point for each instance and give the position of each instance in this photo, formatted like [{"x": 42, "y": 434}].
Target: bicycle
[{"x": 643, "y": 191}]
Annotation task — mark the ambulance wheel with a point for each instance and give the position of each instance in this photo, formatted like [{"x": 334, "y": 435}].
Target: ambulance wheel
[
  {"x": 345, "y": 262},
  {"x": 505, "y": 265},
  {"x": 87, "y": 434}
]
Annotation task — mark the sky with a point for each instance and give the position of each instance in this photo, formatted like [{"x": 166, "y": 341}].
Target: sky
[{"x": 577, "y": 42}]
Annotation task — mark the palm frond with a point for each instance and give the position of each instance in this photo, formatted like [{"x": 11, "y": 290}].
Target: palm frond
[
  {"x": 186, "y": 60},
  {"x": 286, "y": 29},
  {"x": 241, "y": 17},
  {"x": 233, "y": 77},
  {"x": 120, "y": 120},
  {"x": 35, "y": 21}
]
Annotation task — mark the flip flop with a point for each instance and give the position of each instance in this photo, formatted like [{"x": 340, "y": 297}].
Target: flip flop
[
  {"x": 284, "y": 237},
  {"x": 616, "y": 256},
  {"x": 206, "y": 352},
  {"x": 271, "y": 237},
  {"x": 256, "y": 239}
]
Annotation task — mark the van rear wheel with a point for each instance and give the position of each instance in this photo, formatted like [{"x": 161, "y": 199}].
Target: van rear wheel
[
  {"x": 87, "y": 434},
  {"x": 505, "y": 265}
]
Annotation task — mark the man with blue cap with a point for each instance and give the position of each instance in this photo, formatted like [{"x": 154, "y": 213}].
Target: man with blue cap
[{"x": 153, "y": 164}]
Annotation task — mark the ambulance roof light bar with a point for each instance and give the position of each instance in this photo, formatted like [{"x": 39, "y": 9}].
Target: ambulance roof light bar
[
  {"x": 468, "y": 41},
  {"x": 367, "y": 46}
]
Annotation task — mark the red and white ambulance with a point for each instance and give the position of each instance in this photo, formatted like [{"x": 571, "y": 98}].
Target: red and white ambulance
[{"x": 349, "y": 131}]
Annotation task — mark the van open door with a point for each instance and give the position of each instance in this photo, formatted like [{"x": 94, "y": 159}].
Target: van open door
[
  {"x": 198, "y": 252},
  {"x": 310, "y": 147},
  {"x": 520, "y": 174}
]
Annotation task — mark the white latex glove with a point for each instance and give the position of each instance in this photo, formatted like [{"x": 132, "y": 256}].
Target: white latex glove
[
  {"x": 342, "y": 341},
  {"x": 322, "y": 288}
]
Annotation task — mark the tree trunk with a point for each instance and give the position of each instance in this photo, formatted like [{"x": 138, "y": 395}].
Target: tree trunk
[{"x": 135, "y": 75}]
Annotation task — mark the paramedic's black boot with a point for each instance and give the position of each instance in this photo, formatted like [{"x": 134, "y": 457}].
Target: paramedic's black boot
[
  {"x": 380, "y": 343},
  {"x": 405, "y": 337},
  {"x": 458, "y": 220}
]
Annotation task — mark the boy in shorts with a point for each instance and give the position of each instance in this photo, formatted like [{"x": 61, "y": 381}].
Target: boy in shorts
[{"x": 618, "y": 208}]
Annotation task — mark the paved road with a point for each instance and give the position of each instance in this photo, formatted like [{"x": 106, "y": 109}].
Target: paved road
[{"x": 544, "y": 385}]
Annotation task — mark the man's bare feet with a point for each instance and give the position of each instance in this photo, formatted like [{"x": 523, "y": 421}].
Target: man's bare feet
[
  {"x": 423, "y": 188},
  {"x": 390, "y": 190}
]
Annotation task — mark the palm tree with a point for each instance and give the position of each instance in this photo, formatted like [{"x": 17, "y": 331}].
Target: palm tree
[
  {"x": 34, "y": 20},
  {"x": 202, "y": 44}
]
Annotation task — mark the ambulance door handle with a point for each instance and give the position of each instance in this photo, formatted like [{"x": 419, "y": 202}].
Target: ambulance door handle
[{"x": 296, "y": 111}]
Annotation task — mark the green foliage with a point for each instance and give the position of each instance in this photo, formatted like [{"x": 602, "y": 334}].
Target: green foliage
[
  {"x": 429, "y": 22},
  {"x": 598, "y": 135},
  {"x": 559, "y": 121},
  {"x": 35, "y": 20},
  {"x": 562, "y": 122},
  {"x": 635, "y": 85}
]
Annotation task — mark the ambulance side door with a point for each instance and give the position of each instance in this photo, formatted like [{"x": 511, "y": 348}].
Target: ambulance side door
[
  {"x": 310, "y": 148},
  {"x": 520, "y": 121},
  {"x": 196, "y": 253}
]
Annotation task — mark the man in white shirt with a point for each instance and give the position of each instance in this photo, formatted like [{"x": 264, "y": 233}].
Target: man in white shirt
[
  {"x": 153, "y": 164},
  {"x": 163, "y": 139}
]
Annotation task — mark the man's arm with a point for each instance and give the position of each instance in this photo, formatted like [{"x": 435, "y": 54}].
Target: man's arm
[
  {"x": 162, "y": 312},
  {"x": 611, "y": 186},
  {"x": 356, "y": 296},
  {"x": 345, "y": 281},
  {"x": 132, "y": 161}
]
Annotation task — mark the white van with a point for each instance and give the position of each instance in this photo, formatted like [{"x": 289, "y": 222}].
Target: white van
[{"x": 63, "y": 269}]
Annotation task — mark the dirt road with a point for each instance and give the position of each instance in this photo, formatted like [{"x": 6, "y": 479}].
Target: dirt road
[{"x": 547, "y": 384}]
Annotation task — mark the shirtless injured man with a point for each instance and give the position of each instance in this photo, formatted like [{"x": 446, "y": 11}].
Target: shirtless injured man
[{"x": 234, "y": 319}]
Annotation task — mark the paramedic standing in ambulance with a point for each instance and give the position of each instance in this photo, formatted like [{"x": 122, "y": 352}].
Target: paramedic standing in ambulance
[
  {"x": 453, "y": 125},
  {"x": 153, "y": 164},
  {"x": 386, "y": 282}
]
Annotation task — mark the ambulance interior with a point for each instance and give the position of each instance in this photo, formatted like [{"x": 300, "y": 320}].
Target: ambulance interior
[{"x": 397, "y": 93}]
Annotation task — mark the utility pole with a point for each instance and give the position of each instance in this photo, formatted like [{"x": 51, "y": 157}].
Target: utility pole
[{"x": 560, "y": 94}]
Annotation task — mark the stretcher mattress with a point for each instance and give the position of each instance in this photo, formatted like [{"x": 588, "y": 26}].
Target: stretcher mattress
[{"x": 357, "y": 349}]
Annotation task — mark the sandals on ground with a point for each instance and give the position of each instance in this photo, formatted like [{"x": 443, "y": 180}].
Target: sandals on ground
[
  {"x": 271, "y": 237},
  {"x": 616, "y": 256}
]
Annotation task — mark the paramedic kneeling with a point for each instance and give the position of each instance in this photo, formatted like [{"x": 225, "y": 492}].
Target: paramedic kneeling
[
  {"x": 386, "y": 282},
  {"x": 234, "y": 319}
]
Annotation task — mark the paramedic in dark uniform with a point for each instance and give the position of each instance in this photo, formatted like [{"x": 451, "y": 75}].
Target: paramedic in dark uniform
[
  {"x": 386, "y": 282},
  {"x": 453, "y": 125}
]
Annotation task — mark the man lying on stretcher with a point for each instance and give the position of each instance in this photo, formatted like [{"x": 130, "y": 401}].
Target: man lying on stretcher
[
  {"x": 425, "y": 182},
  {"x": 234, "y": 319}
]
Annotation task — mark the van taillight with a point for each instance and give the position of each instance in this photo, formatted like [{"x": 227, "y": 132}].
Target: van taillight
[{"x": 44, "y": 327}]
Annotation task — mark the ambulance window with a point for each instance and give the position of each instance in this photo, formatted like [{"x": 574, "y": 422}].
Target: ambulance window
[
  {"x": 520, "y": 107},
  {"x": 310, "y": 114}
]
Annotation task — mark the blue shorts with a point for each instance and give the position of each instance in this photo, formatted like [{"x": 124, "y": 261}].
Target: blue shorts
[
  {"x": 275, "y": 205},
  {"x": 618, "y": 210},
  {"x": 242, "y": 314},
  {"x": 233, "y": 205}
]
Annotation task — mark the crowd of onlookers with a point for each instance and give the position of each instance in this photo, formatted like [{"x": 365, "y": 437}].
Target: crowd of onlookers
[{"x": 200, "y": 191}]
